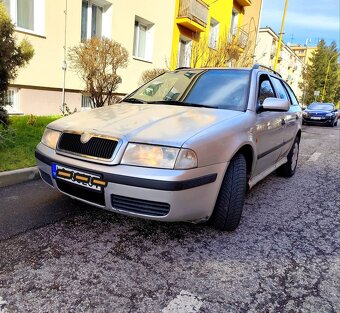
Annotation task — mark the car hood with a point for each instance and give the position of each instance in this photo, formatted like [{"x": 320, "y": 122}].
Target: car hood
[
  {"x": 320, "y": 112},
  {"x": 159, "y": 124}
]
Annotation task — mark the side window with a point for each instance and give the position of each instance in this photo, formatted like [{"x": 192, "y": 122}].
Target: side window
[
  {"x": 281, "y": 92},
  {"x": 291, "y": 95},
  {"x": 266, "y": 89}
]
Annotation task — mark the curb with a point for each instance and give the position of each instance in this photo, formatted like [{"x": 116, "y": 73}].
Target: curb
[{"x": 9, "y": 178}]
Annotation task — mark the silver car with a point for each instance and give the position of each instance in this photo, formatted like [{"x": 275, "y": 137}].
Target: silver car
[{"x": 186, "y": 146}]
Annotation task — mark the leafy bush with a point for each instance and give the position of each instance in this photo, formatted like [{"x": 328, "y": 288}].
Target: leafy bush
[{"x": 12, "y": 57}]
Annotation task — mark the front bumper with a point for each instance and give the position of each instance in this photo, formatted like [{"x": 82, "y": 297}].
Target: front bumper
[
  {"x": 322, "y": 121},
  {"x": 185, "y": 195}
]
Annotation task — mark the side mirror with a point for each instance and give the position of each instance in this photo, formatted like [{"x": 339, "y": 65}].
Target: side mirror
[{"x": 275, "y": 104}]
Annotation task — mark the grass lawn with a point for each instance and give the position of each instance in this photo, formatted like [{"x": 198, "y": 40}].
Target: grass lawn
[{"x": 18, "y": 151}]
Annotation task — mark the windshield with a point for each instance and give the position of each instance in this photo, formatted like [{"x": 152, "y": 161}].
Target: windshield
[
  {"x": 215, "y": 88},
  {"x": 321, "y": 106}
]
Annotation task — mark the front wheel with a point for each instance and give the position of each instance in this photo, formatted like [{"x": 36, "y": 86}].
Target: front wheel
[
  {"x": 230, "y": 201},
  {"x": 288, "y": 169}
]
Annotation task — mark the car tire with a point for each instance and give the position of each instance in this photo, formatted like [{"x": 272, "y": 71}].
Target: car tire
[
  {"x": 229, "y": 205},
  {"x": 336, "y": 123},
  {"x": 288, "y": 169}
]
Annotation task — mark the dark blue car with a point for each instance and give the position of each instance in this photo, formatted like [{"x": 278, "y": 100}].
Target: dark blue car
[{"x": 320, "y": 114}]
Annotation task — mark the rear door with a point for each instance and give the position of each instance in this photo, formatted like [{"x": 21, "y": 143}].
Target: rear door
[{"x": 292, "y": 116}]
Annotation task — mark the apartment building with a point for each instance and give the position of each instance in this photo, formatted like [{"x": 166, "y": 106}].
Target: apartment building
[
  {"x": 144, "y": 28},
  {"x": 303, "y": 52},
  {"x": 157, "y": 34},
  {"x": 250, "y": 25},
  {"x": 290, "y": 66},
  {"x": 202, "y": 24}
]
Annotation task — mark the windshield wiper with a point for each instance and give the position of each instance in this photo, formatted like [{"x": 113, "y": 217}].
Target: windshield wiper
[
  {"x": 134, "y": 100},
  {"x": 189, "y": 104}
]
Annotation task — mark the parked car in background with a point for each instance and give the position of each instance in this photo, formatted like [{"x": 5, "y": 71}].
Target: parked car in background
[
  {"x": 320, "y": 114},
  {"x": 338, "y": 114},
  {"x": 183, "y": 147}
]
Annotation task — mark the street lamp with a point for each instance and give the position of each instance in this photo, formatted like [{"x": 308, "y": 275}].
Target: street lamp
[
  {"x": 327, "y": 72},
  {"x": 281, "y": 33}
]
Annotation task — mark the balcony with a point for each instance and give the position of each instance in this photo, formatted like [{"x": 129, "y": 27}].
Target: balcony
[
  {"x": 291, "y": 64},
  {"x": 242, "y": 38},
  {"x": 244, "y": 3},
  {"x": 239, "y": 37},
  {"x": 193, "y": 14}
]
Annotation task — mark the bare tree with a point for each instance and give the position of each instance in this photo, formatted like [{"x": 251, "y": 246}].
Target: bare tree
[
  {"x": 226, "y": 50},
  {"x": 246, "y": 58},
  {"x": 96, "y": 61},
  {"x": 151, "y": 74}
]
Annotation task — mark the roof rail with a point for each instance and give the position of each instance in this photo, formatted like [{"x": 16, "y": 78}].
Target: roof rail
[
  {"x": 183, "y": 68},
  {"x": 257, "y": 66}
]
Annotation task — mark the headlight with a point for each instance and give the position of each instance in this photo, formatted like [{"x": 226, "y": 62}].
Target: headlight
[
  {"x": 50, "y": 138},
  {"x": 159, "y": 156},
  {"x": 329, "y": 114}
]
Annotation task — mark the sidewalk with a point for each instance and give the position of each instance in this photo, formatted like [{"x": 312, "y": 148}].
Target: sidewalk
[{"x": 9, "y": 178}]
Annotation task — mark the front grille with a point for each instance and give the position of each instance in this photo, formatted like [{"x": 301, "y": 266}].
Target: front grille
[
  {"x": 140, "y": 206},
  {"x": 96, "y": 147},
  {"x": 81, "y": 192}
]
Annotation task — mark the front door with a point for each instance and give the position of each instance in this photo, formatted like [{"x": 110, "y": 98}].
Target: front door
[{"x": 269, "y": 129}]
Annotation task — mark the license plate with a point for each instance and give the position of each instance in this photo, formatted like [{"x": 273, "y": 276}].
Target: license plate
[
  {"x": 77, "y": 177},
  {"x": 315, "y": 118}
]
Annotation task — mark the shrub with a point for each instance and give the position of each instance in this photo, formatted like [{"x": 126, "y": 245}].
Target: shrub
[{"x": 96, "y": 61}]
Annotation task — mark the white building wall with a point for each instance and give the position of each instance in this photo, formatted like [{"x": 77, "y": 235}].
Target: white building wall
[
  {"x": 290, "y": 66},
  {"x": 44, "y": 72}
]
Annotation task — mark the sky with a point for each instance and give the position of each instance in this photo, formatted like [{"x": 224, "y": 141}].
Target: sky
[{"x": 306, "y": 20}]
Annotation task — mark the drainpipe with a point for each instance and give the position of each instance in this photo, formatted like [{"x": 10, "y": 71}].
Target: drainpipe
[{"x": 64, "y": 67}]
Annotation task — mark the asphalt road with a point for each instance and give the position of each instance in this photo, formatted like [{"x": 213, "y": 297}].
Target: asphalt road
[{"x": 284, "y": 257}]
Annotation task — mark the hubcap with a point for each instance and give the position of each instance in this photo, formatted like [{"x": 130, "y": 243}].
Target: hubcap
[{"x": 295, "y": 156}]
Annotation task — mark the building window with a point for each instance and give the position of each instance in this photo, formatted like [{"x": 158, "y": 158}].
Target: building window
[
  {"x": 27, "y": 15},
  {"x": 184, "y": 52},
  {"x": 233, "y": 24},
  {"x": 86, "y": 102},
  {"x": 95, "y": 19},
  {"x": 143, "y": 39},
  {"x": 213, "y": 35},
  {"x": 12, "y": 101}
]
